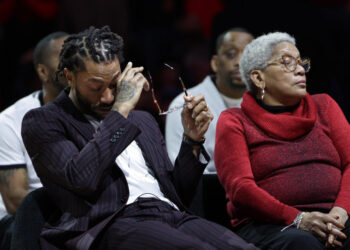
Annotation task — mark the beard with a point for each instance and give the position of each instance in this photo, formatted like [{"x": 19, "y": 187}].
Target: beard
[
  {"x": 233, "y": 82},
  {"x": 89, "y": 109},
  {"x": 84, "y": 105},
  {"x": 237, "y": 85},
  {"x": 58, "y": 83}
]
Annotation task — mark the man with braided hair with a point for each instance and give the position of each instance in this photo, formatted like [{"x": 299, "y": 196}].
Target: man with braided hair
[{"x": 105, "y": 165}]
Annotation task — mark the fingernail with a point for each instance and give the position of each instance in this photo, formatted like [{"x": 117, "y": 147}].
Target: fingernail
[{"x": 189, "y": 105}]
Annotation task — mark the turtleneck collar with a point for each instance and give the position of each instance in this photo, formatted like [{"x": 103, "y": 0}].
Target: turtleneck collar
[
  {"x": 286, "y": 125},
  {"x": 276, "y": 109}
]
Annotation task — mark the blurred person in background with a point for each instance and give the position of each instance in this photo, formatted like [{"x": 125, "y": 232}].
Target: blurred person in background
[
  {"x": 222, "y": 90},
  {"x": 17, "y": 175}
]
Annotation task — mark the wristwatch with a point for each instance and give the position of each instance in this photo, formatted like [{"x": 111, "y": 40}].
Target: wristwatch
[{"x": 191, "y": 142}]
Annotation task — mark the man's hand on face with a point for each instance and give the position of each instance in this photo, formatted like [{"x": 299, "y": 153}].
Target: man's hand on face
[
  {"x": 129, "y": 89},
  {"x": 196, "y": 117}
]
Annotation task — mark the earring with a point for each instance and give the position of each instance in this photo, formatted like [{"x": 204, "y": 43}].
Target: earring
[{"x": 262, "y": 94}]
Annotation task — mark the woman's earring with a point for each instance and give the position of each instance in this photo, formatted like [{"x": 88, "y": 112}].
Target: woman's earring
[{"x": 262, "y": 94}]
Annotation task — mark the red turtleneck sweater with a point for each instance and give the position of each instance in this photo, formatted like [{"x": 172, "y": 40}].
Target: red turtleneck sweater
[{"x": 274, "y": 165}]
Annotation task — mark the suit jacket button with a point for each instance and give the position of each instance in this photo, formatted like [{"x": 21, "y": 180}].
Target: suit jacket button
[
  {"x": 123, "y": 200},
  {"x": 113, "y": 140}
]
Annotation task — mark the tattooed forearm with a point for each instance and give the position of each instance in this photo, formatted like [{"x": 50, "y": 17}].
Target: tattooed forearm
[
  {"x": 124, "y": 91},
  {"x": 5, "y": 176}
]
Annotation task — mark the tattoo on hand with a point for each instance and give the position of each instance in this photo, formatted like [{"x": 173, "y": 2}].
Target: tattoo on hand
[{"x": 124, "y": 91}]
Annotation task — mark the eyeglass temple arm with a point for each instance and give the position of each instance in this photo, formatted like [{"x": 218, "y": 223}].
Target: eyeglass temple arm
[
  {"x": 152, "y": 90},
  {"x": 183, "y": 86},
  {"x": 182, "y": 83},
  {"x": 155, "y": 101}
]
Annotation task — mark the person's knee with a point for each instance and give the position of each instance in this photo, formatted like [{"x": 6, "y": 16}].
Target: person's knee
[
  {"x": 233, "y": 241},
  {"x": 298, "y": 239}
]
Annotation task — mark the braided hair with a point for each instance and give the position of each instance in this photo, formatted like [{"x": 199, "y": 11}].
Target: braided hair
[{"x": 99, "y": 45}]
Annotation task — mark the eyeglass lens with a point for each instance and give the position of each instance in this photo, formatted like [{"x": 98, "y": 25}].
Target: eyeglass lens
[{"x": 291, "y": 63}]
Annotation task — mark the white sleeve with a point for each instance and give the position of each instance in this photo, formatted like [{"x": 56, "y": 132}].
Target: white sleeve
[
  {"x": 174, "y": 129},
  {"x": 11, "y": 145}
]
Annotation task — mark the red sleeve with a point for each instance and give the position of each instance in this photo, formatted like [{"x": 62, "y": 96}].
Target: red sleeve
[
  {"x": 339, "y": 131},
  {"x": 234, "y": 170}
]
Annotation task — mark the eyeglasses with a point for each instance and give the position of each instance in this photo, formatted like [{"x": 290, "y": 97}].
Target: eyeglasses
[
  {"x": 290, "y": 63},
  {"x": 161, "y": 112}
]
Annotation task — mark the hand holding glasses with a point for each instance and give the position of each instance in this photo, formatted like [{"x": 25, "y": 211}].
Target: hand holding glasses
[{"x": 195, "y": 118}]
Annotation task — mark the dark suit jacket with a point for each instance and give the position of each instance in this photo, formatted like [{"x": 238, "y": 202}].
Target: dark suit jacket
[{"x": 77, "y": 167}]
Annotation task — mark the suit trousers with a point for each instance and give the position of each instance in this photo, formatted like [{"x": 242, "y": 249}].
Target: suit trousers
[
  {"x": 150, "y": 223},
  {"x": 269, "y": 236}
]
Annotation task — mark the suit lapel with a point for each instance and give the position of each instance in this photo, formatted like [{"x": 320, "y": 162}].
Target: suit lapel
[
  {"x": 149, "y": 147},
  {"x": 74, "y": 116}
]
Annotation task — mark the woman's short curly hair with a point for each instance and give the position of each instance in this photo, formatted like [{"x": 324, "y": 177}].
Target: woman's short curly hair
[{"x": 258, "y": 52}]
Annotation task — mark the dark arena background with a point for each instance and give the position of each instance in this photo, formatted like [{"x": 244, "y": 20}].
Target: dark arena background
[{"x": 180, "y": 33}]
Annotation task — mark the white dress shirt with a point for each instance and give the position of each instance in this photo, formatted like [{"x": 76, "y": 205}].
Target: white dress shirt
[{"x": 139, "y": 176}]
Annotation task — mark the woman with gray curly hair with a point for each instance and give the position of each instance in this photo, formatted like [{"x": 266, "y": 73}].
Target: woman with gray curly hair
[{"x": 284, "y": 157}]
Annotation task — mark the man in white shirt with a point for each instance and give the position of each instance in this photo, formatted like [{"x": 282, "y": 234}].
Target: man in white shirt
[
  {"x": 17, "y": 175},
  {"x": 221, "y": 91}
]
